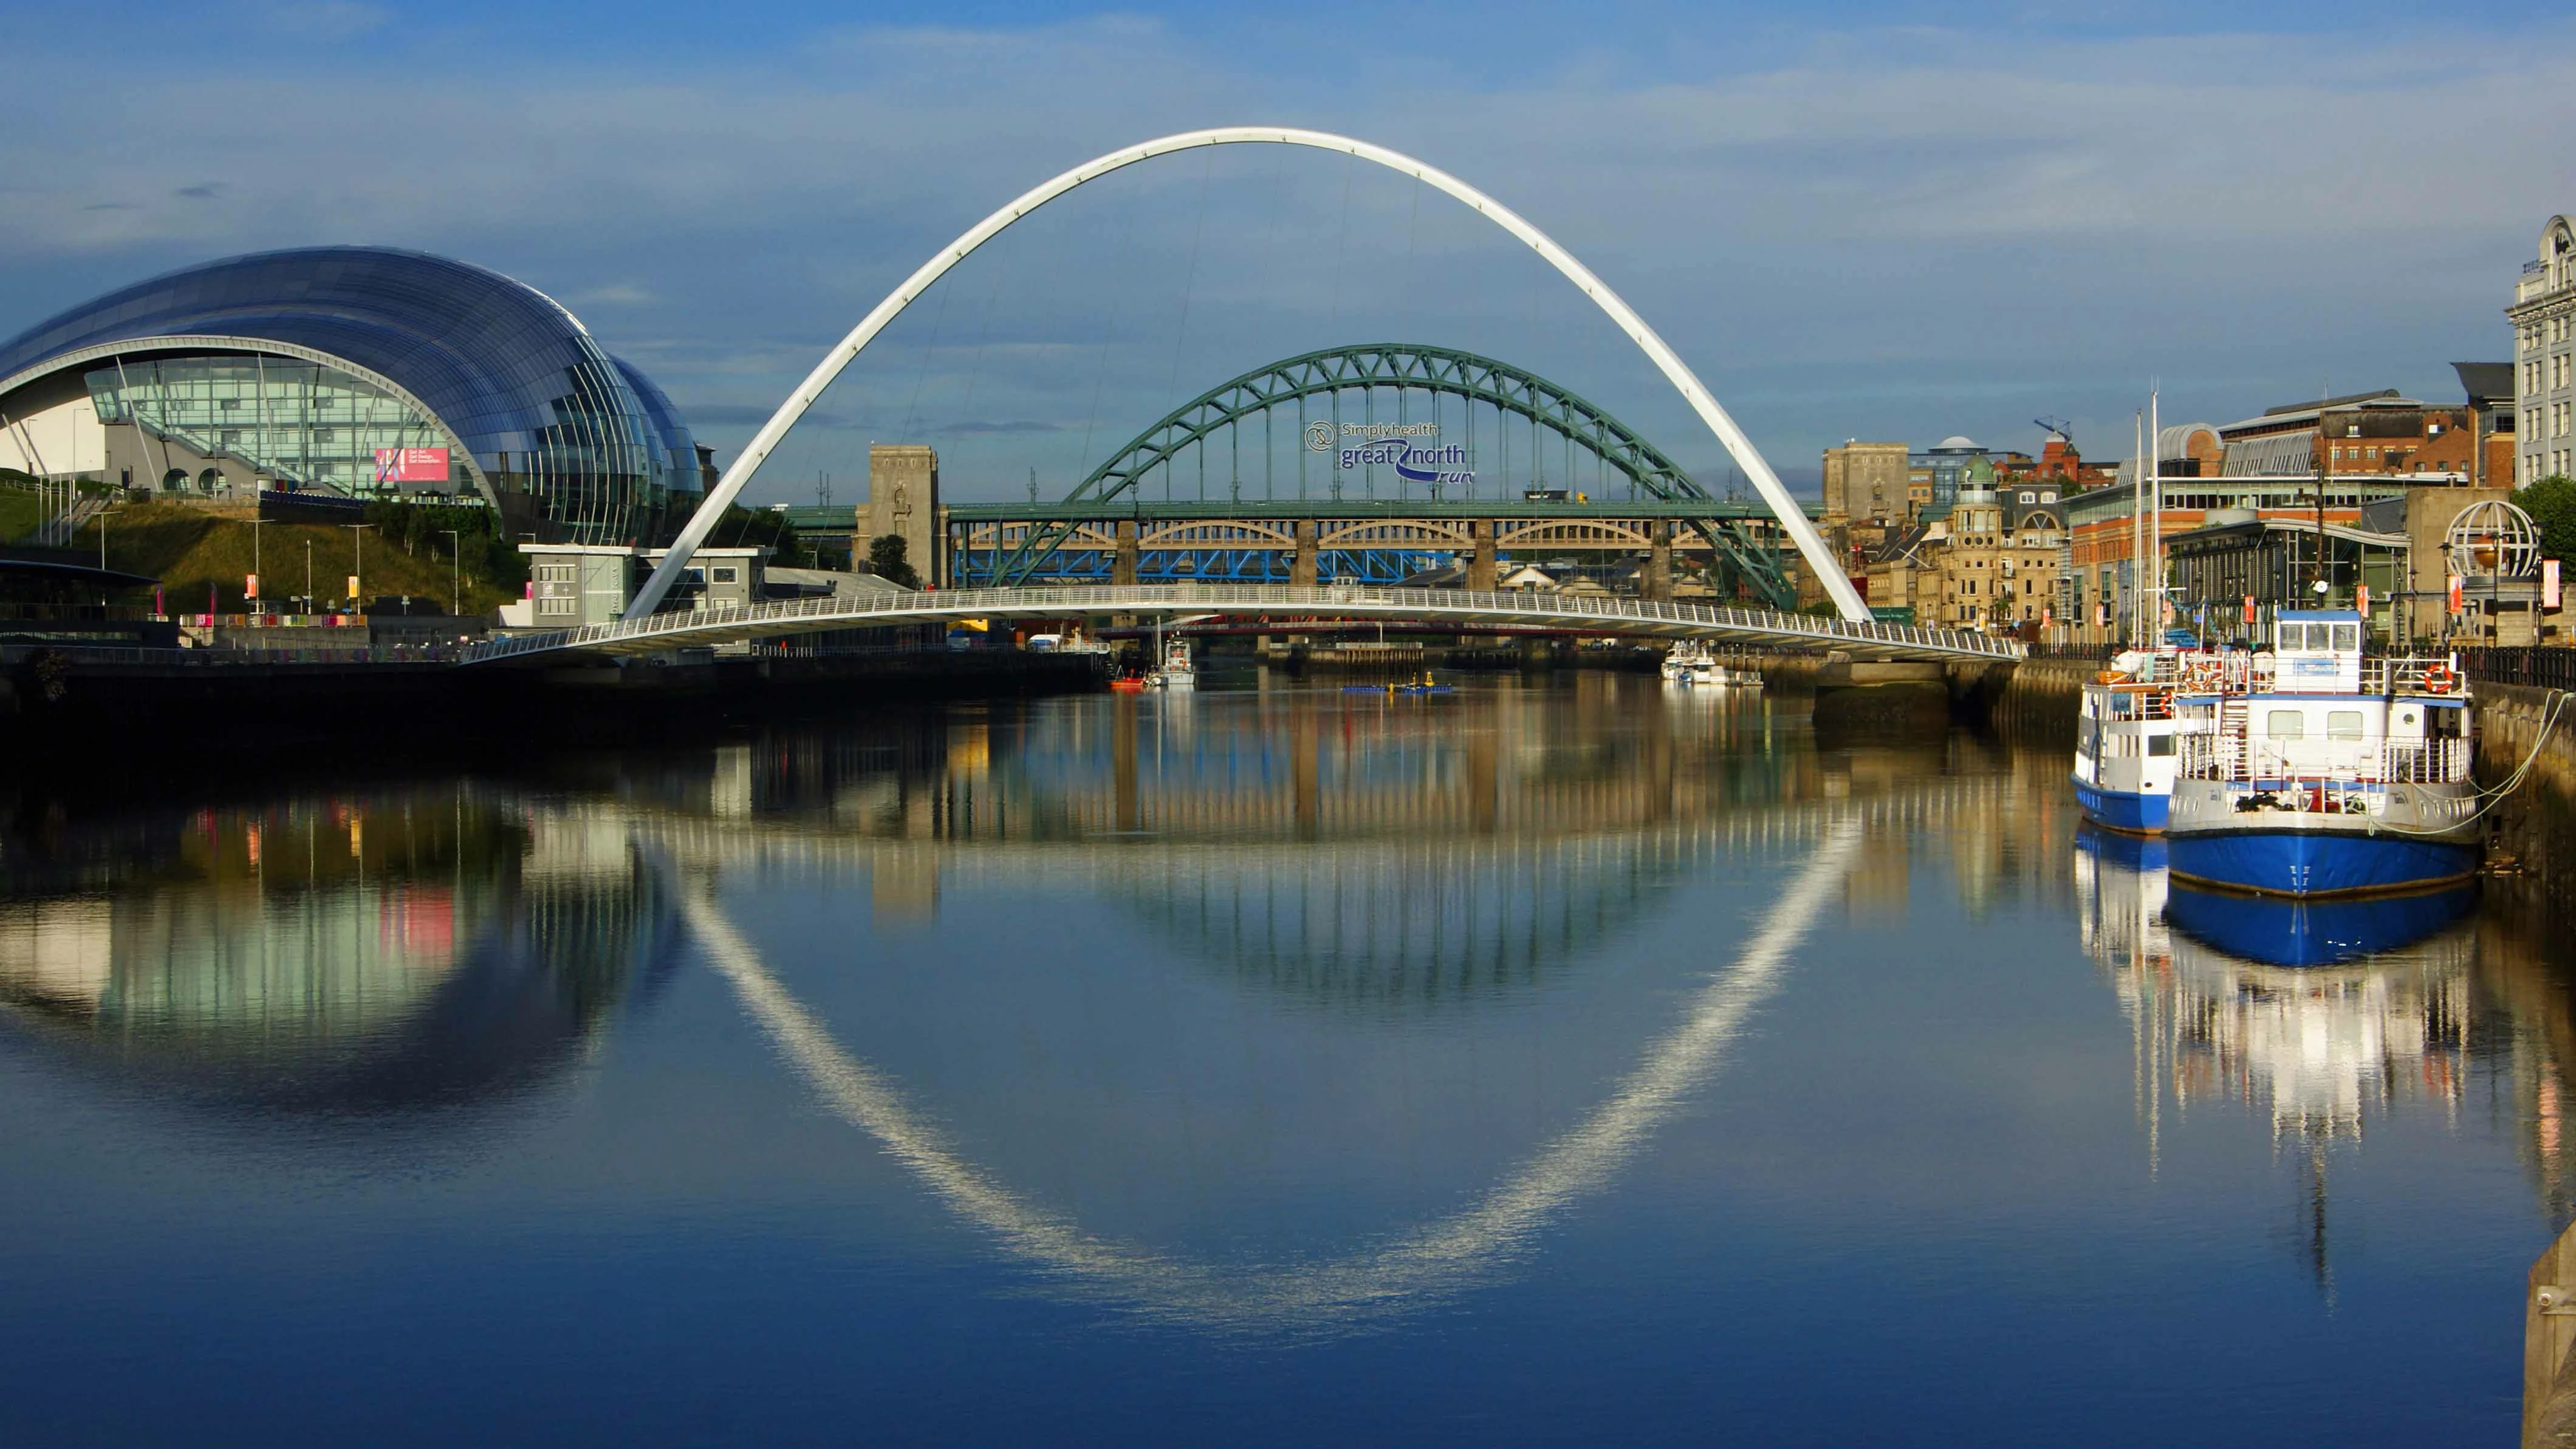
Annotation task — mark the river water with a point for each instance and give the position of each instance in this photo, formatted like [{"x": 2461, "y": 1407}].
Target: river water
[{"x": 1528, "y": 1064}]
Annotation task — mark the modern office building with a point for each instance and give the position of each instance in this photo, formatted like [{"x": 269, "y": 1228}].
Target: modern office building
[
  {"x": 2544, "y": 354},
  {"x": 358, "y": 372}
]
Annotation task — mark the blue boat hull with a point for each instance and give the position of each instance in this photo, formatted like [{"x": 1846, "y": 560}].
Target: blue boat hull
[
  {"x": 2316, "y": 862},
  {"x": 2313, "y": 933},
  {"x": 2124, "y": 810}
]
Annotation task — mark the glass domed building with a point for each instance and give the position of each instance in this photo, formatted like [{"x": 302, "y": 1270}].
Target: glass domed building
[{"x": 357, "y": 372}]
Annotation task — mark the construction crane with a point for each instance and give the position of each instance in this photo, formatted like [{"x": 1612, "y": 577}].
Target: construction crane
[{"x": 2059, "y": 426}]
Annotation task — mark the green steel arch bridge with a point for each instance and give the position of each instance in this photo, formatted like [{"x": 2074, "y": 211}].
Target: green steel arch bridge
[{"x": 1377, "y": 485}]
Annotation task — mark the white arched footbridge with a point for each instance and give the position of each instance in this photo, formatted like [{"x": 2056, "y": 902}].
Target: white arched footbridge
[
  {"x": 1286, "y": 609},
  {"x": 1793, "y": 520}
]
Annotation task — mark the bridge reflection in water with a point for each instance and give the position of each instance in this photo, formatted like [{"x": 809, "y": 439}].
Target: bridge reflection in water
[{"x": 384, "y": 955}]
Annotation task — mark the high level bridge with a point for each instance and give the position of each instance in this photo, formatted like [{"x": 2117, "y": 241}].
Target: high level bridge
[{"x": 1289, "y": 609}]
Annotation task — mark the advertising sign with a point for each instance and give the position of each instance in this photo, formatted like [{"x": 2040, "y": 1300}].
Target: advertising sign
[
  {"x": 2549, "y": 583},
  {"x": 411, "y": 465},
  {"x": 1412, "y": 449},
  {"x": 2361, "y": 600},
  {"x": 2454, "y": 599},
  {"x": 250, "y": 586}
]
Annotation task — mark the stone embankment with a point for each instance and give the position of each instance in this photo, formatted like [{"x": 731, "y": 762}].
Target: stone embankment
[{"x": 2533, "y": 841}]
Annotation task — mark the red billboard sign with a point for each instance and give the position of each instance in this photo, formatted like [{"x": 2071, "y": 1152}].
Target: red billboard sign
[{"x": 411, "y": 465}]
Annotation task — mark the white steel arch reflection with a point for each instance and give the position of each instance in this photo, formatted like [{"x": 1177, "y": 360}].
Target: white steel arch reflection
[
  {"x": 1828, "y": 571},
  {"x": 1441, "y": 1256}
]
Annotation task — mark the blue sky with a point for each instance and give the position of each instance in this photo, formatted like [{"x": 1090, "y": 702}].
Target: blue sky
[{"x": 1891, "y": 221}]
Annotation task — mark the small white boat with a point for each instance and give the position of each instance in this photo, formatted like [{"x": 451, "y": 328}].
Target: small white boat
[
  {"x": 2125, "y": 740},
  {"x": 1177, "y": 671},
  {"x": 1690, "y": 665}
]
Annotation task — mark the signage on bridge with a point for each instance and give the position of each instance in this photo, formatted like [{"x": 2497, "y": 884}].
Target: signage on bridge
[{"x": 1412, "y": 449}]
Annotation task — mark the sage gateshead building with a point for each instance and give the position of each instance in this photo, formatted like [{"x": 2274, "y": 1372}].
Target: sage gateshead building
[{"x": 351, "y": 372}]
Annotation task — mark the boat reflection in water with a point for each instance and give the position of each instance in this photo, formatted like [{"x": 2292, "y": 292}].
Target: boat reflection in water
[{"x": 2327, "y": 1012}]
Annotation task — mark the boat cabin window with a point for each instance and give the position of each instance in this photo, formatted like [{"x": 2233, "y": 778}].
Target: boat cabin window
[
  {"x": 2319, "y": 637},
  {"x": 2285, "y": 724},
  {"x": 2343, "y": 724},
  {"x": 2160, "y": 744}
]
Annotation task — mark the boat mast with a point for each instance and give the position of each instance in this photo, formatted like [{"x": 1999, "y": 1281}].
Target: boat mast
[
  {"x": 2156, "y": 508},
  {"x": 2137, "y": 529}
]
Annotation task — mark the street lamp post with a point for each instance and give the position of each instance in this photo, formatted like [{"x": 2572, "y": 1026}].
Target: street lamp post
[
  {"x": 357, "y": 562},
  {"x": 455, "y": 575},
  {"x": 308, "y": 576}
]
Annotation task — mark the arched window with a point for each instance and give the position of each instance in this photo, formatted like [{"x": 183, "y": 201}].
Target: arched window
[
  {"x": 175, "y": 481},
  {"x": 211, "y": 480}
]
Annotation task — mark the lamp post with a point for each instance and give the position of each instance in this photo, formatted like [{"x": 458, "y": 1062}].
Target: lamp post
[
  {"x": 455, "y": 588},
  {"x": 357, "y": 562},
  {"x": 308, "y": 575},
  {"x": 255, "y": 522}
]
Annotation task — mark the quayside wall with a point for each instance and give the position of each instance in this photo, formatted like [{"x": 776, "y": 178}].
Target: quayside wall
[{"x": 2532, "y": 847}]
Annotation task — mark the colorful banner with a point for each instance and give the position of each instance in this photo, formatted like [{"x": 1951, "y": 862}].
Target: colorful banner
[
  {"x": 411, "y": 465},
  {"x": 2454, "y": 595},
  {"x": 2549, "y": 583}
]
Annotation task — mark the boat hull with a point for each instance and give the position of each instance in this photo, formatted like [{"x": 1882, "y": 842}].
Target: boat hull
[
  {"x": 2127, "y": 811},
  {"x": 2289, "y": 861}
]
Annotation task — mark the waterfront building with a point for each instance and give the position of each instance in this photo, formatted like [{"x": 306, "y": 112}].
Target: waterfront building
[
  {"x": 1999, "y": 563},
  {"x": 2544, "y": 335},
  {"x": 572, "y": 584},
  {"x": 355, "y": 373},
  {"x": 2357, "y": 450}
]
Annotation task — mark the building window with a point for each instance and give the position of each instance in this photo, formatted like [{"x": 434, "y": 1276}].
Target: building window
[{"x": 726, "y": 574}]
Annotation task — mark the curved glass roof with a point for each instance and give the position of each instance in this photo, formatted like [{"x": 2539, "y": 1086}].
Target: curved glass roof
[{"x": 543, "y": 408}]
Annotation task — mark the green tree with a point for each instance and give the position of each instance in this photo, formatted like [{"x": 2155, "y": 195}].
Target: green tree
[
  {"x": 2551, "y": 502},
  {"x": 886, "y": 559}
]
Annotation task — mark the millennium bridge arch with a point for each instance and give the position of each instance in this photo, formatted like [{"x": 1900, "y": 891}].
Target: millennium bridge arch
[
  {"x": 1792, "y": 519},
  {"x": 1314, "y": 391}
]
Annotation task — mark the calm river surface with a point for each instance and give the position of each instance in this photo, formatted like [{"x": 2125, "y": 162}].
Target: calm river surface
[{"x": 1547, "y": 1064}]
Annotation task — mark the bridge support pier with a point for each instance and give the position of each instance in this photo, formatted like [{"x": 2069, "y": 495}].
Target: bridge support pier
[
  {"x": 1658, "y": 583},
  {"x": 1895, "y": 696},
  {"x": 1301, "y": 564},
  {"x": 1480, "y": 564},
  {"x": 1122, "y": 560}
]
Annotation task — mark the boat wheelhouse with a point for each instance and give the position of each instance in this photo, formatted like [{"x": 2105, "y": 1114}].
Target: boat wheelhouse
[
  {"x": 1691, "y": 664},
  {"x": 2310, "y": 769}
]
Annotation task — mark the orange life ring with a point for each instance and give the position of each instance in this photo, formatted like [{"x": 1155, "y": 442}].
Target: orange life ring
[{"x": 2438, "y": 679}]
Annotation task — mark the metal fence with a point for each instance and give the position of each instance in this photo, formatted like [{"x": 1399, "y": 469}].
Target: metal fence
[{"x": 2551, "y": 668}]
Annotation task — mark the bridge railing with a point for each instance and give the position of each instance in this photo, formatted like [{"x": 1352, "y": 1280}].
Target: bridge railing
[{"x": 678, "y": 627}]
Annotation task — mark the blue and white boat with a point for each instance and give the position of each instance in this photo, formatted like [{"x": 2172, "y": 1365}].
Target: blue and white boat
[
  {"x": 2124, "y": 742},
  {"x": 2310, "y": 770}
]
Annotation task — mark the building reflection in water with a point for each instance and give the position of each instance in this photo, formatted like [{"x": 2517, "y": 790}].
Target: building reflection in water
[
  {"x": 2327, "y": 1017},
  {"x": 341, "y": 954}
]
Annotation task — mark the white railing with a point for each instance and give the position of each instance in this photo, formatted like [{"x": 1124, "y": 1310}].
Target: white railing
[
  {"x": 2234, "y": 758},
  {"x": 698, "y": 627},
  {"x": 2240, "y": 672}
]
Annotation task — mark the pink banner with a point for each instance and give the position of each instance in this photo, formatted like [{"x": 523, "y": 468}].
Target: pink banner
[{"x": 411, "y": 465}]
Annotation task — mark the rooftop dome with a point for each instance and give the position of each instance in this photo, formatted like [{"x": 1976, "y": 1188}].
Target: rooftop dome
[{"x": 1956, "y": 441}]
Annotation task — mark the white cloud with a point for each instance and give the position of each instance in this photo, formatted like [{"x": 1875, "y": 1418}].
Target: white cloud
[{"x": 1860, "y": 220}]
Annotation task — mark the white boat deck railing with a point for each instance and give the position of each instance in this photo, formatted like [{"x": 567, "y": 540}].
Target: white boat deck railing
[{"x": 2232, "y": 758}]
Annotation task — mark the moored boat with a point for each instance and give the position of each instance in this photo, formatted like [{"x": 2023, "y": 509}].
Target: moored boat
[
  {"x": 2124, "y": 740},
  {"x": 2311, "y": 770},
  {"x": 1177, "y": 671},
  {"x": 1690, "y": 665}
]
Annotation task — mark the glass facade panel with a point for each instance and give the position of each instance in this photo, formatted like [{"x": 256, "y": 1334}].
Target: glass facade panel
[{"x": 301, "y": 423}]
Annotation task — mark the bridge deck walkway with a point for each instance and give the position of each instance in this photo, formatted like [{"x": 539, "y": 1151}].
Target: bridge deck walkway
[{"x": 1290, "y": 608}]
